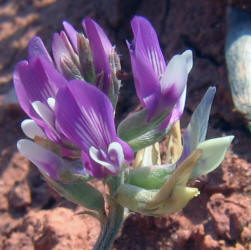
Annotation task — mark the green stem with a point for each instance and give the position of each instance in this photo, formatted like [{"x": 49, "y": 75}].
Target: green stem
[
  {"x": 114, "y": 220},
  {"x": 110, "y": 228}
]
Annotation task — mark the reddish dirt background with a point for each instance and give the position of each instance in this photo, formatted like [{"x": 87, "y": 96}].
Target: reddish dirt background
[{"x": 32, "y": 216}]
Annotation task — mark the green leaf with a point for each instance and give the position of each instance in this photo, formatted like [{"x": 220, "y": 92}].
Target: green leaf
[
  {"x": 213, "y": 153},
  {"x": 80, "y": 193}
]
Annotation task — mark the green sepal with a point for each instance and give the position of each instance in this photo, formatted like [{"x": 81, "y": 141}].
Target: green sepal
[
  {"x": 139, "y": 133},
  {"x": 170, "y": 198},
  {"x": 139, "y": 199},
  {"x": 178, "y": 199},
  {"x": 213, "y": 153},
  {"x": 133, "y": 197},
  {"x": 115, "y": 83},
  {"x": 150, "y": 177},
  {"x": 85, "y": 59},
  {"x": 197, "y": 128}
]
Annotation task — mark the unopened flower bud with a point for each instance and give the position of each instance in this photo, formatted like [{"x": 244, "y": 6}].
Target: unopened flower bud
[
  {"x": 71, "y": 71},
  {"x": 85, "y": 58},
  {"x": 65, "y": 57},
  {"x": 115, "y": 82}
]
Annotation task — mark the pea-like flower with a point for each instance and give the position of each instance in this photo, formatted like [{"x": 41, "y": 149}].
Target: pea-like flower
[
  {"x": 158, "y": 85},
  {"x": 86, "y": 116},
  {"x": 74, "y": 115}
]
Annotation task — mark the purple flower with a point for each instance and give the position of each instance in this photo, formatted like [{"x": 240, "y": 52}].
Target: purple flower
[
  {"x": 158, "y": 85},
  {"x": 75, "y": 56},
  {"x": 86, "y": 117},
  {"x": 36, "y": 83}
]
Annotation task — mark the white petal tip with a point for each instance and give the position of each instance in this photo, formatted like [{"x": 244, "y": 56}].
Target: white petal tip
[
  {"x": 44, "y": 111},
  {"x": 36, "y": 106},
  {"x": 188, "y": 54},
  {"x": 31, "y": 129},
  {"x": 23, "y": 146},
  {"x": 51, "y": 102}
]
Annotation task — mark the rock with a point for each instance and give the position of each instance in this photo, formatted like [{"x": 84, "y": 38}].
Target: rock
[
  {"x": 246, "y": 235},
  {"x": 59, "y": 229},
  {"x": 18, "y": 241},
  {"x": 20, "y": 195},
  {"x": 238, "y": 58},
  {"x": 230, "y": 214},
  {"x": 210, "y": 244}
]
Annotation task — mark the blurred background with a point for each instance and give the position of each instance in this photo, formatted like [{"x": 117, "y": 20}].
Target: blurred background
[{"x": 32, "y": 216}]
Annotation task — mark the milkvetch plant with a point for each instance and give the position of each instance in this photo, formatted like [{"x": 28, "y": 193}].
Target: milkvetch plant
[{"x": 71, "y": 97}]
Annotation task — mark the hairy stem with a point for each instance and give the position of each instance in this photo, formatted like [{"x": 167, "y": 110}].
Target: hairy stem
[
  {"x": 110, "y": 228},
  {"x": 114, "y": 220}
]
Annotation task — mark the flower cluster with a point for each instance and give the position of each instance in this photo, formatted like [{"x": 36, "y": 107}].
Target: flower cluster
[
  {"x": 71, "y": 97},
  {"x": 67, "y": 110}
]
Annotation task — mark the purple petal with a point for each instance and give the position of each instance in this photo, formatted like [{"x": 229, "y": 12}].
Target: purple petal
[
  {"x": 175, "y": 77},
  {"x": 101, "y": 48},
  {"x": 128, "y": 152},
  {"x": 22, "y": 71},
  {"x": 37, "y": 80},
  {"x": 59, "y": 51},
  {"x": 62, "y": 49},
  {"x": 85, "y": 115},
  {"x": 72, "y": 34},
  {"x": 93, "y": 168},
  {"x": 111, "y": 160},
  {"x": 179, "y": 107},
  {"x": 146, "y": 82},
  {"x": 45, "y": 160},
  {"x": 101, "y": 163},
  {"x": 146, "y": 42},
  {"x": 176, "y": 112},
  {"x": 36, "y": 48}
]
